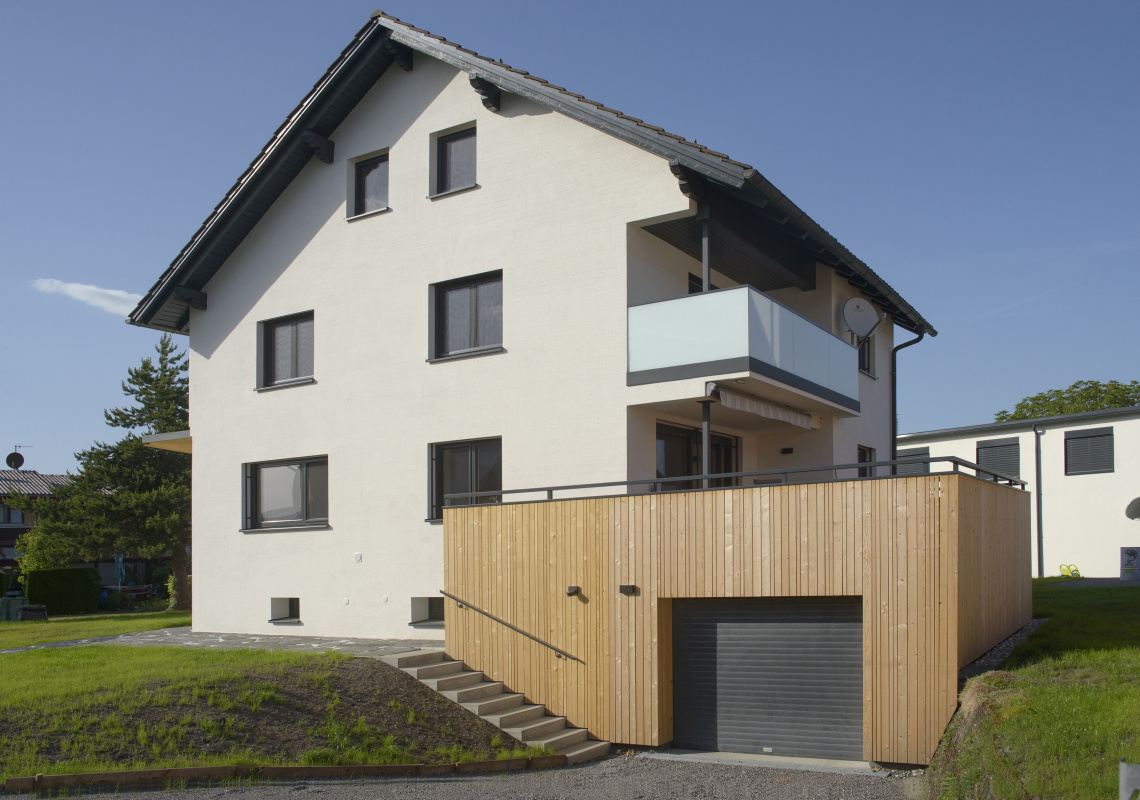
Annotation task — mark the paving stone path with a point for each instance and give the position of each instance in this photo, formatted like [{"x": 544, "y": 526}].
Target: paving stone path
[{"x": 184, "y": 637}]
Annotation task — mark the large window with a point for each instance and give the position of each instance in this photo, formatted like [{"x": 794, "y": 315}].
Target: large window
[
  {"x": 469, "y": 315},
  {"x": 1000, "y": 455},
  {"x": 288, "y": 354},
  {"x": 459, "y": 467},
  {"x": 679, "y": 455},
  {"x": 455, "y": 161},
  {"x": 1089, "y": 451},
  {"x": 371, "y": 185},
  {"x": 287, "y": 493},
  {"x": 11, "y": 516}
]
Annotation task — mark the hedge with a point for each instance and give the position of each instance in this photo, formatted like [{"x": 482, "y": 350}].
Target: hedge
[{"x": 73, "y": 590}]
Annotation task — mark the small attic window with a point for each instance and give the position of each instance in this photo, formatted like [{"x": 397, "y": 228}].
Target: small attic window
[
  {"x": 371, "y": 185},
  {"x": 455, "y": 161}
]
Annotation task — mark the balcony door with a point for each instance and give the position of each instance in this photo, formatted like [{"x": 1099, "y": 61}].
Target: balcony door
[{"x": 679, "y": 454}]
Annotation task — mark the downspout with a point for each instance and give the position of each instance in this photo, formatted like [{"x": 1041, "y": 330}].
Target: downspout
[
  {"x": 895, "y": 398},
  {"x": 1040, "y": 503}
]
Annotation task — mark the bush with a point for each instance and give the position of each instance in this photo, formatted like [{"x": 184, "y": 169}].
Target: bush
[
  {"x": 117, "y": 601},
  {"x": 74, "y": 590}
]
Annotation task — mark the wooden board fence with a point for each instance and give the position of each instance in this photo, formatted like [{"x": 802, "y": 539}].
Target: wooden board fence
[{"x": 941, "y": 562}]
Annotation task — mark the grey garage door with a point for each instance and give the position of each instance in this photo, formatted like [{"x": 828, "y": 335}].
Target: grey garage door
[{"x": 781, "y": 676}]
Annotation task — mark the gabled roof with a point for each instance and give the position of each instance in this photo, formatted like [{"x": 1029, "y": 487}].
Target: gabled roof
[
  {"x": 1078, "y": 418},
  {"x": 385, "y": 41},
  {"x": 29, "y": 482}
]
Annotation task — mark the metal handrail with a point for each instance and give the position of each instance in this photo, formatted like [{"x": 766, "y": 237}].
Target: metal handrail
[
  {"x": 657, "y": 483},
  {"x": 557, "y": 653}
]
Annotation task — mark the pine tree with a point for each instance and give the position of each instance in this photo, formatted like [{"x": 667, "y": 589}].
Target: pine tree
[{"x": 125, "y": 497}]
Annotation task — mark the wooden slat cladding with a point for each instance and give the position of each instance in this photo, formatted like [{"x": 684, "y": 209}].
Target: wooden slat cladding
[
  {"x": 994, "y": 595},
  {"x": 895, "y": 542}
]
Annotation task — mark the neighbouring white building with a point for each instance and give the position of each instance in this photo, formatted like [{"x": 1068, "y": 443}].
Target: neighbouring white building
[
  {"x": 444, "y": 275},
  {"x": 1083, "y": 469}
]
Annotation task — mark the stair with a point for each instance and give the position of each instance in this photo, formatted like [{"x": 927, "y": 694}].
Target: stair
[{"x": 504, "y": 709}]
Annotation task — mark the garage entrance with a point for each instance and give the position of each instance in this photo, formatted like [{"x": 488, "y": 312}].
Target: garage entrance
[{"x": 769, "y": 675}]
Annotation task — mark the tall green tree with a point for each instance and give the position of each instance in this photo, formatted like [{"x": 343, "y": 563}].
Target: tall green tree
[
  {"x": 1081, "y": 396},
  {"x": 125, "y": 497}
]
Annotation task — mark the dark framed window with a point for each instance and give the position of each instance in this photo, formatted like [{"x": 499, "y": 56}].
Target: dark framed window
[
  {"x": 866, "y": 455},
  {"x": 456, "y": 467},
  {"x": 11, "y": 516},
  {"x": 469, "y": 314},
  {"x": 288, "y": 349},
  {"x": 914, "y": 454},
  {"x": 866, "y": 355},
  {"x": 455, "y": 161},
  {"x": 435, "y": 609},
  {"x": 286, "y": 493},
  {"x": 371, "y": 185},
  {"x": 1000, "y": 455},
  {"x": 679, "y": 455},
  {"x": 1089, "y": 451}
]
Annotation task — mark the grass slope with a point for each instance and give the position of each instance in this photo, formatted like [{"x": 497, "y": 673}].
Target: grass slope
[
  {"x": 62, "y": 629},
  {"x": 105, "y": 707},
  {"x": 1066, "y": 709}
]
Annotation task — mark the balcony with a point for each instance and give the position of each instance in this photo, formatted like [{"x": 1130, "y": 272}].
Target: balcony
[{"x": 740, "y": 330}]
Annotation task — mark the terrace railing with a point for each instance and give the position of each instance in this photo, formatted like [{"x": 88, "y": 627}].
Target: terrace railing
[{"x": 864, "y": 470}]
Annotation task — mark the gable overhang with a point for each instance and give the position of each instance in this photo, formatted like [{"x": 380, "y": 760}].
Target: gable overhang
[{"x": 386, "y": 40}]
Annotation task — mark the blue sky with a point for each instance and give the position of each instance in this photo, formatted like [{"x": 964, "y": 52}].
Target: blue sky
[{"x": 981, "y": 157}]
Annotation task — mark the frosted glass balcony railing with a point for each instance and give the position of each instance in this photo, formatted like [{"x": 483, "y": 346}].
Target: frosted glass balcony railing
[{"x": 739, "y": 329}]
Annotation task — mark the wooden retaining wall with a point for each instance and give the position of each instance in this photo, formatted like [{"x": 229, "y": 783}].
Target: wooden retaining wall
[{"x": 893, "y": 541}]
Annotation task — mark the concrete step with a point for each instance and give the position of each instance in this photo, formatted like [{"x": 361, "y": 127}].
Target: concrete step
[
  {"x": 437, "y": 670},
  {"x": 494, "y": 704},
  {"x": 516, "y": 716},
  {"x": 534, "y": 729},
  {"x": 560, "y": 740},
  {"x": 415, "y": 658},
  {"x": 456, "y": 681},
  {"x": 586, "y": 751},
  {"x": 474, "y": 691}
]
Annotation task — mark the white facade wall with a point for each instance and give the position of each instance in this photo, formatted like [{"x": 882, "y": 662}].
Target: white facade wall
[
  {"x": 1083, "y": 515},
  {"x": 553, "y": 211}
]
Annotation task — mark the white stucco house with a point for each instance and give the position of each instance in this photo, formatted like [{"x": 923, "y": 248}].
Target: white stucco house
[
  {"x": 443, "y": 275},
  {"x": 1083, "y": 470}
]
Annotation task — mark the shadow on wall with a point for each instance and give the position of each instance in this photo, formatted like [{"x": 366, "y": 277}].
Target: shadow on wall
[{"x": 315, "y": 199}]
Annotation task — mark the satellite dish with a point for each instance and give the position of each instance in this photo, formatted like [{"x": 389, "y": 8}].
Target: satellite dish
[
  {"x": 860, "y": 317},
  {"x": 1133, "y": 510},
  {"x": 15, "y": 461}
]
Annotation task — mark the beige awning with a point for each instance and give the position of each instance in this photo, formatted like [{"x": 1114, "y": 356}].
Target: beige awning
[
  {"x": 177, "y": 442},
  {"x": 754, "y": 405}
]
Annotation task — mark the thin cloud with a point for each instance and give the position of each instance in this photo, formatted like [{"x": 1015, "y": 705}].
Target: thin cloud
[{"x": 113, "y": 301}]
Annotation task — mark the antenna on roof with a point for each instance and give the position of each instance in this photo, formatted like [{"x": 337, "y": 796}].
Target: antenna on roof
[{"x": 861, "y": 318}]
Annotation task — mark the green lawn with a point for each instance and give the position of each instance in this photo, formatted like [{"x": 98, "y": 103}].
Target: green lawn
[
  {"x": 106, "y": 707},
  {"x": 1066, "y": 708},
  {"x": 22, "y": 634}
]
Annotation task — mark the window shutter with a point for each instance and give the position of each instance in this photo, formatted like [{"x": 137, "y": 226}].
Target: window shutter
[
  {"x": 1089, "y": 451},
  {"x": 914, "y": 453},
  {"x": 247, "y": 496},
  {"x": 1000, "y": 455}
]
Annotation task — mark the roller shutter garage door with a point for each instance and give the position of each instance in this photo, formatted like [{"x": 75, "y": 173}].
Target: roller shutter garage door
[{"x": 774, "y": 675}]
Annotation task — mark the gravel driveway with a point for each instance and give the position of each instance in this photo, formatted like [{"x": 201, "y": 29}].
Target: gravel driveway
[{"x": 613, "y": 778}]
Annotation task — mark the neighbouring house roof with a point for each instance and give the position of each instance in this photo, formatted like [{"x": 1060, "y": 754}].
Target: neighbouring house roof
[
  {"x": 30, "y": 483},
  {"x": 386, "y": 40},
  {"x": 1060, "y": 419}
]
